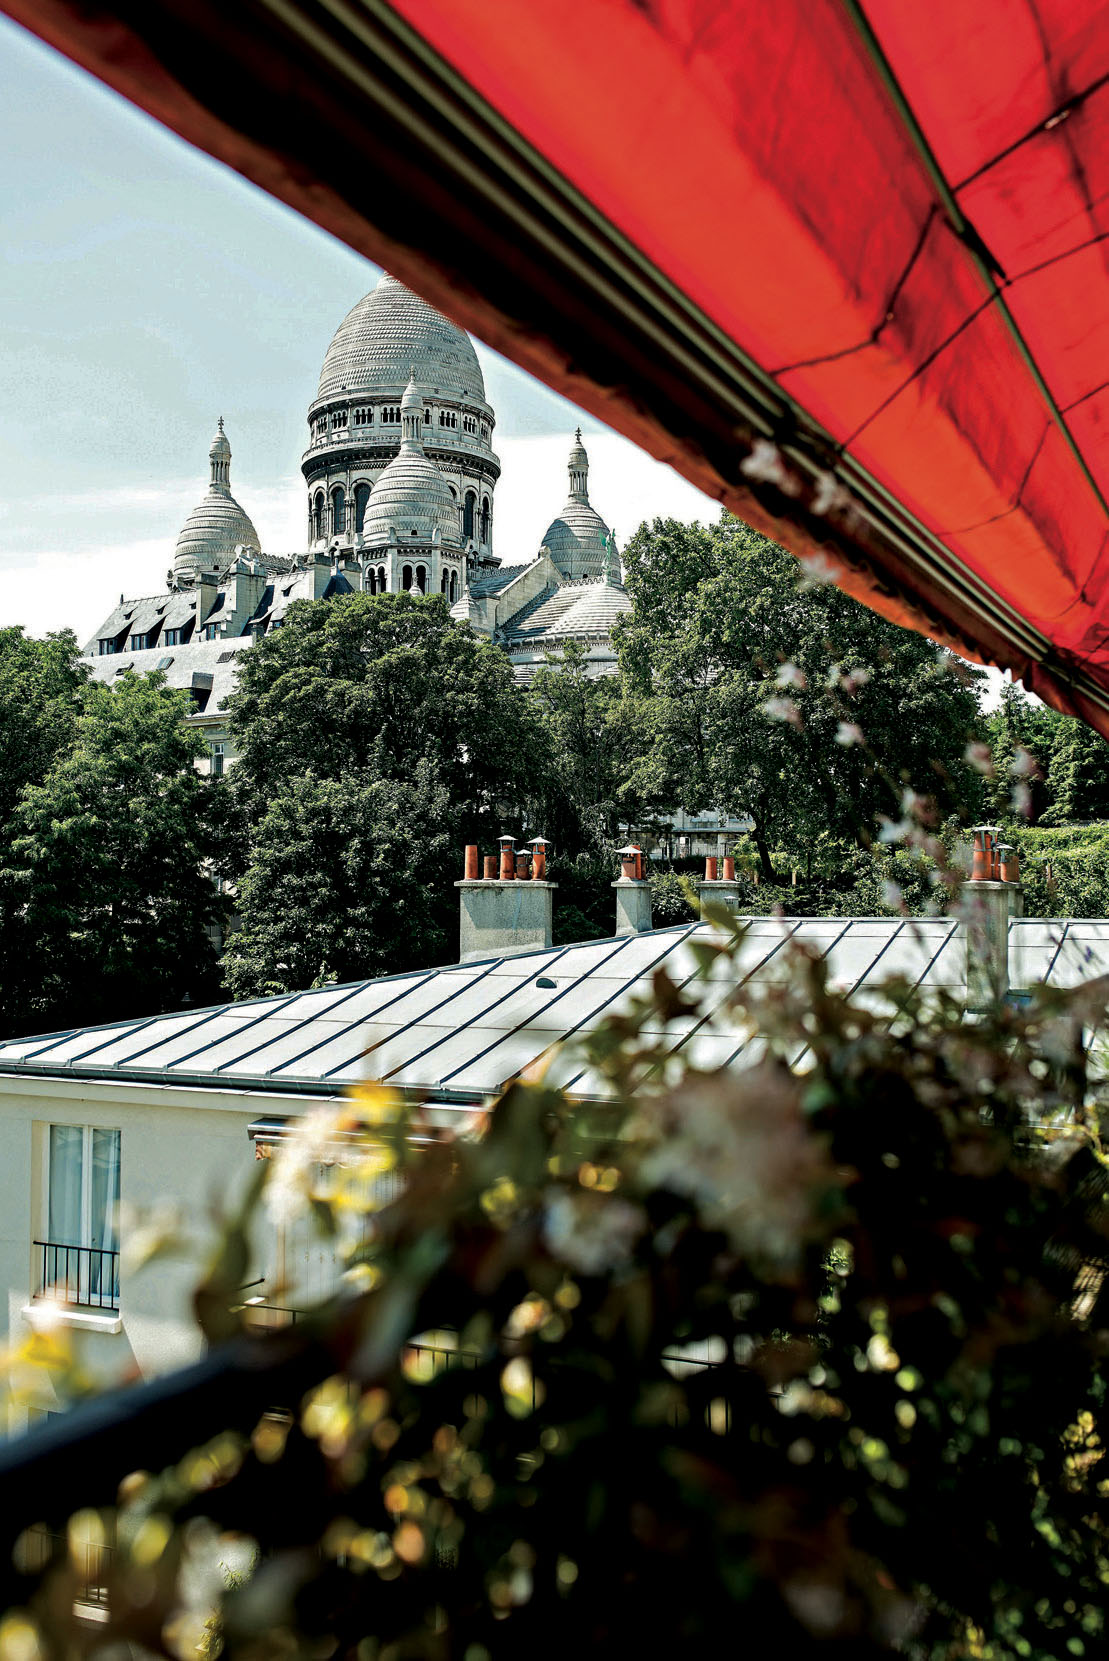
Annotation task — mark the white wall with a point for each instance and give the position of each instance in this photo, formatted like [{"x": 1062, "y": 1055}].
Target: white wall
[{"x": 183, "y": 1145}]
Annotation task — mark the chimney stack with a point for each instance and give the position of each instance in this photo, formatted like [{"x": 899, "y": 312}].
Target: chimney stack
[
  {"x": 716, "y": 890},
  {"x": 633, "y": 893},
  {"x": 506, "y": 914},
  {"x": 990, "y": 899}
]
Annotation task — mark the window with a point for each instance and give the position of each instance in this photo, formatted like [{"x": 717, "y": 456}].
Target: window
[
  {"x": 421, "y": 578},
  {"x": 447, "y": 418},
  {"x": 338, "y": 510},
  {"x": 211, "y": 631},
  {"x": 338, "y": 419},
  {"x": 317, "y": 514},
  {"x": 390, "y": 415},
  {"x": 363, "y": 417},
  {"x": 468, "y": 513},
  {"x": 217, "y": 754},
  {"x": 406, "y": 579},
  {"x": 108, "y": 647},
  {"x": 78, "y": 1261},
  {"x": 143, "y": 642},
  {"x": 361, "y": 497},
  {"x": 178, "y": 637},
  {"x": 485, "y": 520}
]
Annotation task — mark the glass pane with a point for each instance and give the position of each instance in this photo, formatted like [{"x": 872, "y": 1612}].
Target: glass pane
[
  {"x": 103, "y": 1268},
  {"x": 64, "y": 1211},
  {"x": 104, "y": 1207}
]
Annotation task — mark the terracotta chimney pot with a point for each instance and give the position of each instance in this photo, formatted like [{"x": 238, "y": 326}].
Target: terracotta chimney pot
[
  {"x": 729, "y": 867},
  {"x": 508, "y": 858},
  {"x": 710, "y": 868},
  {"x": 490, "y": 867},
  {"x": 471, "y": 862}
]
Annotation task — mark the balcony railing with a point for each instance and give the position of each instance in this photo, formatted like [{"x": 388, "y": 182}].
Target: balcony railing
[{"x": 80, "y": 1277}]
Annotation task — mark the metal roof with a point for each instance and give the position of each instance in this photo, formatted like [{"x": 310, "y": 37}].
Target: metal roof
[
  {"x": 1062, "y": 951},
  {"x": 460, "y": 1033}
]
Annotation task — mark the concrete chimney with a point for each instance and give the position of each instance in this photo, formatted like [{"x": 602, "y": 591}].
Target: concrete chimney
[
  {"x": 993, "y": 896},
  {"x": 504, "y": 915},
  {"x": 633, "y": 893}
]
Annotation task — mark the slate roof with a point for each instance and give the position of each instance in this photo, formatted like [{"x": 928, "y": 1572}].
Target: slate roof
[{"x": 460, "y": 1033}]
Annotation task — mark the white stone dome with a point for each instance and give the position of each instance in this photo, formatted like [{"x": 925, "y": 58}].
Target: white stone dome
[
  {"x": 594, "y": 612},
  {"x": 577, "y": 540},
  {"x": 217, "y": 525},
  {"x": 390, "y": 332},
  {"x": 411, "y": 501}
]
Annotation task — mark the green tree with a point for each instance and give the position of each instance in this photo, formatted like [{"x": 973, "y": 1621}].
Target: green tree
[
  {"x": 789, "y": 703},
  {"x": 594, "y": 733},
  {"x": 107, "y": 898},
  {"x": 374, "y": 685},
  {"x": 339, "y": 885},
  {"x": 1078, "y": 774},
  {"x": 1023, "y": 736},
  {"x": 39, "y": 685}
]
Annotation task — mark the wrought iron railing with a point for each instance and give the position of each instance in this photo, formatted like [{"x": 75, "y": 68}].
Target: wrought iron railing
[{"x": 80, "y": 1277}]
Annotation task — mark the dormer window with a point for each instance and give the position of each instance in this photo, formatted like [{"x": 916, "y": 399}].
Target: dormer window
[{"x": 108, "y": 646}]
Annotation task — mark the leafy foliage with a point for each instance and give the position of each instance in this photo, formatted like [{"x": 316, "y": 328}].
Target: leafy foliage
[
  {"x": 815, "y": 1357},
  {"x": 375, "y": 685},
  {"x": 795, "y": 706},
  {"x": 337, "y": 885},
  {"x": 105, "y": 891}
]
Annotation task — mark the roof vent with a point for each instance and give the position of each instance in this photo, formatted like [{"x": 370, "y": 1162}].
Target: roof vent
[
  {"x": 225, "y": 657},
  {"x": 164, "y": 662}
]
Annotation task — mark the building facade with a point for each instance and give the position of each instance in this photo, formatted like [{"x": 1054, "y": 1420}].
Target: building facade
[{"x": 400, "y": 477}]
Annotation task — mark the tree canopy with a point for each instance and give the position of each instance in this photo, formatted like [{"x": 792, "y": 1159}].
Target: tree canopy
[
  {"x": 785, "y": 702},
  {"x": 106, "y": 895}
]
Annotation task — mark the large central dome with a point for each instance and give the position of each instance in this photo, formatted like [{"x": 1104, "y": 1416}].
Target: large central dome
[{"x": 390, "y": 333}]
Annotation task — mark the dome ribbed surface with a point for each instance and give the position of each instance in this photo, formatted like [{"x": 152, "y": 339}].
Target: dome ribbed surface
[
  {"x": 594, "y": 611},
  {"x": 411, "y": 497},
  {"x": 576, "y": 540},
  {"x": 212, "y": 532},
  {"x": 389, "y": 332}
]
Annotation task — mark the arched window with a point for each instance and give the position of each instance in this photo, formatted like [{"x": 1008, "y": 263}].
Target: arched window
[
  {"x": 453, "y": 592},
  {"x": 443, "y": 583},
  {"x": 338, "y": 510},
  {"x": 381, "y": 579},
  {"x": 427, "y": 418},
  {"x": 468, "y": 514},
  {"x": 361, "y": 497},
  {"x": 406, "y": 578},
  {"x": 317, "y": 515},
  {"x": 421, "y": 578},
  {"x": 485, "y": 519}
]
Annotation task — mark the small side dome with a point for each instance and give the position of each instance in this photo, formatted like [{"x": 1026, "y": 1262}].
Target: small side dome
[
  {"x": 579, "y": 541},
  {"x": 217, "y": 526},
  {"x": 411, "y": 501}
]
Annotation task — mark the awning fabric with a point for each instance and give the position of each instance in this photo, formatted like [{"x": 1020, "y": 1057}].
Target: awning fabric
[{"x": 844, "y": 266}]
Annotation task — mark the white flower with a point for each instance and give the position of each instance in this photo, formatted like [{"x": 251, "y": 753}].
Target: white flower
[
  {"x": 819, "y": 569},
  {"x": 892, "y": 896},
  {"x": 1023, "y": 764},
  {"x": 855, "y": 680},
  {"x": 765, "y": 464},
  {"x": 591, "y": 1232},
  {"x": 292, "y": 1174},
  {"x": 894, "y": 832},
  {"x": 978, "y": 756},
  {"x": 782, "y": 709},
  {"x": 848, "y": 733},
  {"x": 739, "y": 1146},
  {"x": 829, "y": 495},
  {"x": 789, "y": 674}
]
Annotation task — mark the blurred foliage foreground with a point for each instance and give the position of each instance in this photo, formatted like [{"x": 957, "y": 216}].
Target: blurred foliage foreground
[{"x": 768, "y": 1361}]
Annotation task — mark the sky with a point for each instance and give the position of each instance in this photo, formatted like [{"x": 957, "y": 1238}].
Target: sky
[{"x": 145, "y": 290}]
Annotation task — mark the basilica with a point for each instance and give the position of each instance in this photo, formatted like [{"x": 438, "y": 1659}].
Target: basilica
[{"x": 401, "y": 481}]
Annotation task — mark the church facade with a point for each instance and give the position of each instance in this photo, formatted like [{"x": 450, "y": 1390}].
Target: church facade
[{"x": 401, "y": 480}]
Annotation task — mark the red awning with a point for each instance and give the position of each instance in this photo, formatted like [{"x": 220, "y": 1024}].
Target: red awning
[{"x": 868, "y": 242}]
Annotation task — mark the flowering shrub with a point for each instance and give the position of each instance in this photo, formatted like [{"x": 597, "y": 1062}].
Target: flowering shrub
[{"x": 797, "y": 1361}]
